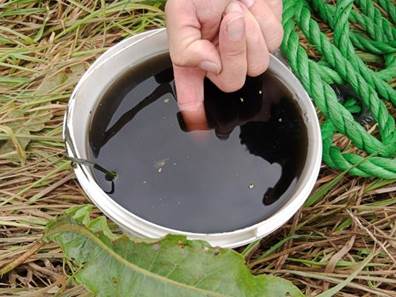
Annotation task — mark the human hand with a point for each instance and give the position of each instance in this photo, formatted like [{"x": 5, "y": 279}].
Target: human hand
[
  {"x": 224, "y": 40},
  {"x": 253, "y": 103}
]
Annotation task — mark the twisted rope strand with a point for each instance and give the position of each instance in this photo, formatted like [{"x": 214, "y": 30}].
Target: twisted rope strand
[
  {"x": 323, "y": 95},
  {"x": 372, "y": 13},
  {"x": 390, "y": 8},
  {"x": 342, "y": 66},
  {"x": 354, "y": 164},
  {"x": 375, "y": 47},
  {"x": 327, "y": 12},
  {"x": 343, "y": 42},
  {"x": 347, "y": 71}
]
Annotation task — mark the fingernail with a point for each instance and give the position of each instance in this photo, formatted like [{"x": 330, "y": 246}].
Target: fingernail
[
  {"x": 209, "y": 67},
  {"x": 236, "y": 29},
  {"x": 248, "y": 3}
]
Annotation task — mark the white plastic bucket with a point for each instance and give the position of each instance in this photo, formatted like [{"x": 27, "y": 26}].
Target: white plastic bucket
[{"x": 130, "y": 53}]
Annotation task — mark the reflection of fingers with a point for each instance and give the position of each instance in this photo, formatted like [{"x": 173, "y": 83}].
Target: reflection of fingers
[
  {"x": 257, "y": 52},
  {"x": 192, "y": 121},
  {"x": 221, "y": 135},
  {"x": 225, "y": 127},
  {"x": 190, "y": 95},
  {"x": 270, "y": 24},
  {"x": 224, "y": 132},
  {"x": 232, "y": 45}
]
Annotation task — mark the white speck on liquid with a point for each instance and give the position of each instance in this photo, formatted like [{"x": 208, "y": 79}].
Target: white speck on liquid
[
  {"x": 242, "y": 100},
  {"x": 160, "y": 170},
  {"x": 261, "y": 92},
  {"x": 161, "y": 163},
  {"x": 166, "y": 100},
  {"x": 145, "y": 181},
  {"x": 280, "y": 120},
  {"x": 251, "y": 186}
]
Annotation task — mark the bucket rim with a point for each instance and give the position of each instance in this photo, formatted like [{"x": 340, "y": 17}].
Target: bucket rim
[{"x": 136, "y": 225}]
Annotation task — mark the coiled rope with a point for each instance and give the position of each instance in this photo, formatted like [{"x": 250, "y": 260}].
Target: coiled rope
[{"x": 372, "y": 152}]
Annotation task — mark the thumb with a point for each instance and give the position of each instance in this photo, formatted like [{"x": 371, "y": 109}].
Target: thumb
[{"x": 186, "y": 46}]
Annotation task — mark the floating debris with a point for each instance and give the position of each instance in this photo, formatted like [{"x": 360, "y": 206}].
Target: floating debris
[
  {"x": 251, "y": 186},
  {"x": 161, "y": 163}
]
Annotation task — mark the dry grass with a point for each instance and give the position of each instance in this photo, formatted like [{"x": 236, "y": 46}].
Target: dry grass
[{"x": 45, "y": 46}]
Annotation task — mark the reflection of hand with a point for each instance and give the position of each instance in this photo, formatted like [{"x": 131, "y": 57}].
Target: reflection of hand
[
  {"x": 226, "y": 112},
  {"x": 223, "y": 40}
]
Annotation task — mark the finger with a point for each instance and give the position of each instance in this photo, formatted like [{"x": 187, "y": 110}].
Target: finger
[
  {"x": 257, "y": 51},
  {"x": 186, "y": 46},
  {"x": 209, "y": 14},
  {"x": 190, "y": 96},
  {"x": 275, "y": 5},
  {"x": 269, "y": 23},
  {"x": 232, "y": 46}
]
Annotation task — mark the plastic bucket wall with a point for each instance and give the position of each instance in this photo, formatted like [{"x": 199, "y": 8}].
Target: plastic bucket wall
[{"x": 130, "y": 53}]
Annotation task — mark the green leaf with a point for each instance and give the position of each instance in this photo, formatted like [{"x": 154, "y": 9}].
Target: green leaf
[
  {"x": 19, "y": 122},
  {"x": 334, "y": 290},
  {"x": 323, "y": 190},
  {"x": 120, "y": 266}
]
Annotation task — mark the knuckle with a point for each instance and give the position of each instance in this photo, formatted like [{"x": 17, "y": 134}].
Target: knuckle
[
  {"x": 255, "y": 37},
  {"x": 179, "y": 60},
  {"x": 257, "y": 69},
  {"x": 235, "y": 52},
  {"x": 232, "y": 85},
  {"x": 180, "y": 54},
  {"x": 275, "y": 38}
]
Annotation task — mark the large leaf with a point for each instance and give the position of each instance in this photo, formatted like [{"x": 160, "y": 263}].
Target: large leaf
[{"x": 120, "y": 266}]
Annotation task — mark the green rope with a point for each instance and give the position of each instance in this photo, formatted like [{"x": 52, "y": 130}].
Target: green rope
[
  {"x": 368, "y": 8},
  {"x": 343, "y": 42},
  {"x": 372, "y": 46},
  {"x": 349, "y": 74},
  {"x": 390, "y": 8},
  {"x": 341, "y": 65},
  {"x": 327, "y": 13}
]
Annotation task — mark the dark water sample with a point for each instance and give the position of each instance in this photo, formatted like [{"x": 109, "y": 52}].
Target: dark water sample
[{"x": 234, "y": 175}]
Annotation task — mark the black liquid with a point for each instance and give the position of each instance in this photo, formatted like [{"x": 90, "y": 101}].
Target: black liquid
[{"x": 201, "y": 181}]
